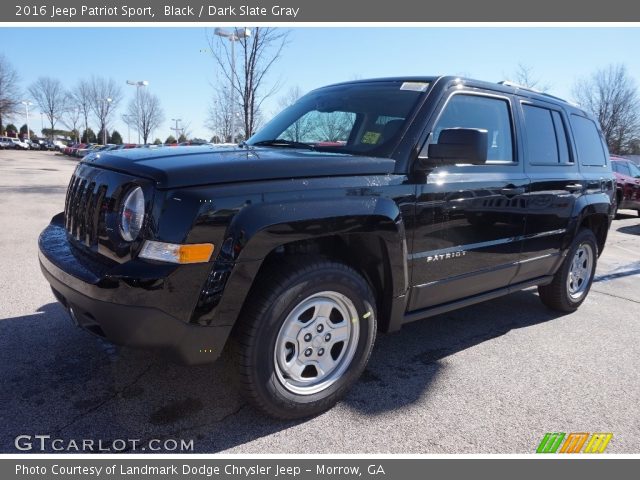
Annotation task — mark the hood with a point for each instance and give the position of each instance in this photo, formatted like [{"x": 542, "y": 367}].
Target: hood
[{"x": 172, "y": 167}]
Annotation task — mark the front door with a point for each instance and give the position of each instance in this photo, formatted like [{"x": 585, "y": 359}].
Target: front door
[{"x": 470, "y": 218}]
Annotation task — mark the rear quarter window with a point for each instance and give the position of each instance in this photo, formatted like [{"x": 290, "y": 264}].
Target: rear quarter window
[{"x": 589, "y": 143}]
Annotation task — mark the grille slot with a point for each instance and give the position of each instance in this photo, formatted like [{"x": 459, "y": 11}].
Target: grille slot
[{"x": 83, "y": 206}]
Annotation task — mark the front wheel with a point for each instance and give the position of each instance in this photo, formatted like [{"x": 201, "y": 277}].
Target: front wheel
[
  {"x": 572, "y": 282},
  {"x": 305, "y": 337}
]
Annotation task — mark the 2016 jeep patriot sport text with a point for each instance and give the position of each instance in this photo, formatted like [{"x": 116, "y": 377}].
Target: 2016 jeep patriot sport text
[{"x": 363, "y": 206}]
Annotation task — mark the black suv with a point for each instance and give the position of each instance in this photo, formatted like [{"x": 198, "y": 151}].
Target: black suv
[{"x": 364, "y": 206}]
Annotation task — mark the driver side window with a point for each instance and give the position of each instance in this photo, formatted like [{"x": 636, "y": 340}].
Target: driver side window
[{"x": 474, "y": 111}]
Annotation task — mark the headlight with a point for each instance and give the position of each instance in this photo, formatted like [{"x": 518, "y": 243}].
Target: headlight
[{"x": 132, "y": 214}]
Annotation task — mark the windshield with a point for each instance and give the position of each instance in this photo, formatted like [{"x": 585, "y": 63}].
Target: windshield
[{"x": 365, "y": 118}]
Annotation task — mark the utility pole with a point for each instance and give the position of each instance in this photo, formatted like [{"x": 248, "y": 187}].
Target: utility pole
[{"x": 176, "y": 129}]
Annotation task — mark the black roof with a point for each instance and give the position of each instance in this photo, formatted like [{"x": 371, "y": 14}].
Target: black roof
[{"x": 506, "y": 87}]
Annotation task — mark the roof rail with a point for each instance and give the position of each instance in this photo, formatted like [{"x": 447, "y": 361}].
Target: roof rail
[{"x": 509, "y": 83}]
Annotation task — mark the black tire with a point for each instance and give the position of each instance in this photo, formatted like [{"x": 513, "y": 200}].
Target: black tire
[
  {"x": 557, "y": 295},
  {"x": 282, "y": 292}
]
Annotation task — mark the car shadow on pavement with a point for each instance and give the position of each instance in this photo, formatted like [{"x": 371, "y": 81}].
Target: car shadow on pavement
[
  {"x": 630, "y": 229},
  {"x": 63, "y": 382}
]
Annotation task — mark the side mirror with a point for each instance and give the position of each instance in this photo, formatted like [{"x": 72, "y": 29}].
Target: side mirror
[{"x": 456, "y": 145}]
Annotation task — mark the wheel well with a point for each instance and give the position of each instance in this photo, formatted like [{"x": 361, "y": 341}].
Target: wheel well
[
  {"x": 366, "y": 254},
  {"x": 598, "y": 224}
]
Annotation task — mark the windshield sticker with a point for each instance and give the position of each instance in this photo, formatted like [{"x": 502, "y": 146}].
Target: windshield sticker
[
  {"x": 415, "y": 86},
  {"x": 371, "y": 138}
]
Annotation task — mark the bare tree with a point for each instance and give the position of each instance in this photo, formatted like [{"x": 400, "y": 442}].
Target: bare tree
[
  {"x": 611, "y": 95},
  {"x": 219, "y": 115},
  {"x": 72, "y": 116},
  {"x": 9, "y": 90},
  {"x": 144, "y": 113},
  {"x": 105, "y": 96},
  {"x": 82, "y": 96},
  {"x": 51, "y": 97},
  {"x": 524, "y": 75},
  {"x": 334, "y": 126},
  {"x": 258, "y": 53},
  {"x": 301, "y": 128}
]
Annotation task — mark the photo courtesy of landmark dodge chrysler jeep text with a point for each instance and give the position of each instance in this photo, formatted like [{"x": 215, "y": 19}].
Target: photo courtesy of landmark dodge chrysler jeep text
[{"x": 364, "y": 206}]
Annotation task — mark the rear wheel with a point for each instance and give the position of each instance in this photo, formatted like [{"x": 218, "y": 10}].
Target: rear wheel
[
  {"x": 572, "y": 281},
  {"x": 305, "y": 337}
]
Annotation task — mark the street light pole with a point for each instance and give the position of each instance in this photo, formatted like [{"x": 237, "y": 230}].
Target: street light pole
[
  {"x": 26, "y": 104},
  {"x": 176, "y": 129},
  {"x": 104, "y": 127},
  {"x": 233, "y": 36},
  {"x": 137, "y": 84}
]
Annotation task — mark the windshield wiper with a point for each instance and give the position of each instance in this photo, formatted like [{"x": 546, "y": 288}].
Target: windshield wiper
[{"x": 281, "y": 142}]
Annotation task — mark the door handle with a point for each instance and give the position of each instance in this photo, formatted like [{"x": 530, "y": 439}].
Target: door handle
[{"x": 573, "y": 186}]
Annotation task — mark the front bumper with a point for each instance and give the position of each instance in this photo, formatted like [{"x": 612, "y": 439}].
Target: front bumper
[{"x": 139, "y": 312}]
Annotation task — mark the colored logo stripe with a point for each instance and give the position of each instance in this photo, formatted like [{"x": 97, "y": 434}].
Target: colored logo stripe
[
  {"x": 574, "y": 443},
  {"x": 598, "y": 442},
  {"x": 550, "y": 443}
]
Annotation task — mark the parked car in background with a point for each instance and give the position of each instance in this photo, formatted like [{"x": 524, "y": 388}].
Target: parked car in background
[
  {"x": 81, "y": 152},
  {"x": 19, "y": 144},
  {"x": 6, "y": 143},
  {"x": 627, "y": 184}
]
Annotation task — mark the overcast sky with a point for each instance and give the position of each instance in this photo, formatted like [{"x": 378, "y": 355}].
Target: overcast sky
[{"x": 181, "y": 71}]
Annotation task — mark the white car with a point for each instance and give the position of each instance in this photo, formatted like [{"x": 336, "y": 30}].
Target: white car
[{"x": 19, "y": 144}]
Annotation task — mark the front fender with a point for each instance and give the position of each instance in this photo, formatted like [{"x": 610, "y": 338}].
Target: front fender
[{"x": 259, "y": 229}]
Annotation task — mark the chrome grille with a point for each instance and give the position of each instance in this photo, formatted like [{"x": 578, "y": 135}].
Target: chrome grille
[{"x": 82, "y": 209}]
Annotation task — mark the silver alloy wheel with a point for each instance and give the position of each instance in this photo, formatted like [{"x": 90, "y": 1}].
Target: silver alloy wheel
[
  {"x": 316, "y": 343},
  {"x": 580, "y": 271}
]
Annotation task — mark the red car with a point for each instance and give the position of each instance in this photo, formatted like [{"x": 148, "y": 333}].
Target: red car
[{"x": 628, "y": 183}]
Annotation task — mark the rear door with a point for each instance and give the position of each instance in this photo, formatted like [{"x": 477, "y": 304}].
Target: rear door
[
  {"x": 469, "y": 220},
  {"x": 556, "y": 184}
]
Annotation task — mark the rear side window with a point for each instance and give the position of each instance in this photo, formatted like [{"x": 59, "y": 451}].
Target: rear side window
[
  {"x": 622, "y": 168},
  {"x": 474, "y": 111},
  {"x": 588, "y": 142},
  {"x": 546, "y": 136}
]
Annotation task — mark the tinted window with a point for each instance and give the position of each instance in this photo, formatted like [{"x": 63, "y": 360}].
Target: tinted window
[
  {"x": 542, "y": 145},
  {"x": 588, "y": 142},
  {"x": 361, "y": 118},
  {"x": 473, "y": 111},
  {"x": 635, "y": 171},
  {"x": 622, "y": 168}
]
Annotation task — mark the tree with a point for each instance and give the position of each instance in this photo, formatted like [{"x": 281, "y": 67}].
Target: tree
[
  {"x": 102, "y": 137},
  {"x": 88, "y": 136},
  {"x": 215, "y": 139},
  {"x": 219, "y": 116},
  {"x": 157, "y": 141},
  {"x": 524, "y": 75},
  {"x": 304, "y": 125},
  {"x": 12, "y": 130},
  {"x": 182, "y": 138},
  {"x": 258, "y": 53},
  {"x": 105, "y": 98},
  {"x": 9, "y": 90},
  {"x": 72, "y": 115},
  {"x": 50, "y": 96},
  {"x": 81, "y": 96},
  {"x": 170, "y": 139},
  {"x": 611, "y": 95},
  {"x": 145, "y": 113},
  {"x": 116, "y": 138},
  {"x": 23, "y": 132}
]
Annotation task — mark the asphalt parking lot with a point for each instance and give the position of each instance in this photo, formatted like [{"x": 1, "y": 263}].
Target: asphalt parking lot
[{"x": 492, "y": 378}]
